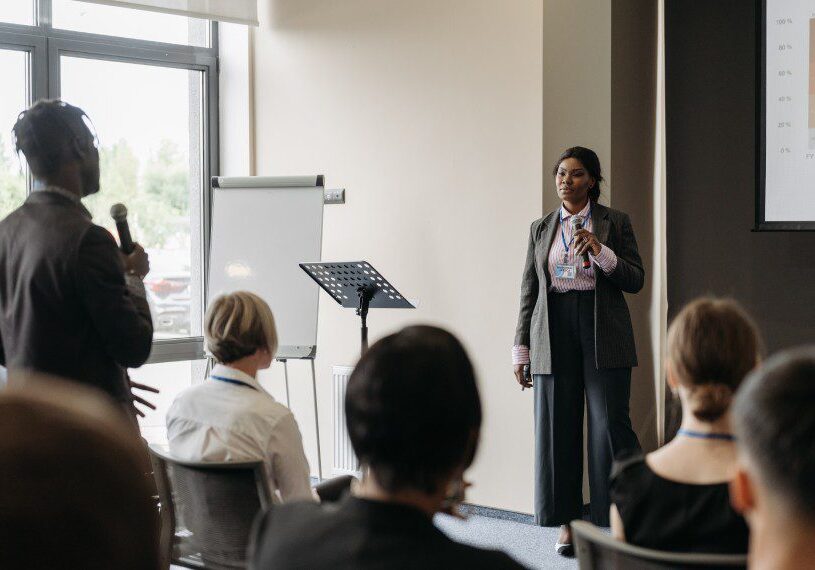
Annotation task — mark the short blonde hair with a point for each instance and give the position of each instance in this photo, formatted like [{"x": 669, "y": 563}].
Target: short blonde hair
[{"x": 237, "y": 325}]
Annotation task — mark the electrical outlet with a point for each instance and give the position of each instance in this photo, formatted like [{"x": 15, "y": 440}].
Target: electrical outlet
[{"x": 336, "y": 196}]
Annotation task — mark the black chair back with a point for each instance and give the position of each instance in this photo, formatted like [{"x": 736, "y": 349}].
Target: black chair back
[
  {"x": 207, "y": 509},
  {"x": 597, "y": 550}
]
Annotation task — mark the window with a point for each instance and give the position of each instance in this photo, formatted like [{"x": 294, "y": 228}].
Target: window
[
  {"x": 13, "y": 66},
  {"x": 149, "y": 82},
  {"x": 150, "y": 160},
  {"x": 17, "y": 12}
]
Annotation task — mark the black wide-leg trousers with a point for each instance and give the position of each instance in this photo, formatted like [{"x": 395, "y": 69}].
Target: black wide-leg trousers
[{"x": 559, "y": 401}]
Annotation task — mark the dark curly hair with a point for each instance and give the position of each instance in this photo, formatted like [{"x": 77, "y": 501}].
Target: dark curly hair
[
  {"x": 413, "y": 409},
  {"x": 43, "y": 132}
]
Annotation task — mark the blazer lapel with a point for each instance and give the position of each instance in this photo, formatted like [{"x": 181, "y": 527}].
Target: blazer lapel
[
  {"x": 600, "y": 222},
  {"x": 547, "y": 237}
]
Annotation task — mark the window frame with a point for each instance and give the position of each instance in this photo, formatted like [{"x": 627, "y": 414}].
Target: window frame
[{"x": 46, "y": 45}]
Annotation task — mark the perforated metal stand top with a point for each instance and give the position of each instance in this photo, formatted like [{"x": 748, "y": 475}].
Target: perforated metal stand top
[{"x": 356, "y": 285}]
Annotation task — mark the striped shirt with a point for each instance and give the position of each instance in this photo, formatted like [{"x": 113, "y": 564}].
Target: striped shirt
[{"x": 584, "y": 279}]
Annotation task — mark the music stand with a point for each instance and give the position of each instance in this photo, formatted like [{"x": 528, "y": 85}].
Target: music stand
[{"x": 356, "y": 285}]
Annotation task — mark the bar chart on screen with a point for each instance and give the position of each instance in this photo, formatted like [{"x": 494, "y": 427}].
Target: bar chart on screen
[
  {"x": 812, "y": 83},
  {"x": 788, "y": 130}
]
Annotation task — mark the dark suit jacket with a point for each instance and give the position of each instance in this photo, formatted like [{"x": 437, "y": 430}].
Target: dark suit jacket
[
  {"x": 64, "y": 306},
  {"x": 613, "y": 331},
  {"x": 361, "y": 535}
]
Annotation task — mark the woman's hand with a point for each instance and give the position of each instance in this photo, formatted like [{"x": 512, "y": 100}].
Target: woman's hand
[
  {"x": 584, "y": 241},
  {"x": 523, "y": 380}
]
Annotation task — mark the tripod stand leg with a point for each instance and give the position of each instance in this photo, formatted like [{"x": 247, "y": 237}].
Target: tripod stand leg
[
  {"x": 316, "y": 421},
  {"x": 286, "y": 375}
]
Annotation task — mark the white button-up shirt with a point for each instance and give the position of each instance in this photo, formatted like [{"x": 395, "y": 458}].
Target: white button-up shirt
[{"x": 239, "y": 421}]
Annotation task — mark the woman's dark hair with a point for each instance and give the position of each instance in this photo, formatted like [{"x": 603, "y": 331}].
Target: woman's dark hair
[
  {"x": 45, "y": 130},
  {"x": 413, "y": 409},
  {"x": 588, "y": 158},
  {"x": 775, "y": 425},
  {"x": 712, "y": 345}
]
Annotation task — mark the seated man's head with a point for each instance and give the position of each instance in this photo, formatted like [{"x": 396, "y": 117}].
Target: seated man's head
[
  {"x": 59, "y": 146},
  {"x": 413, "y": 411},
  {"x": 240, "y": 326},
  {"x": 74, "y": 481},
  {"x": 774, "y": 415},
  {"x": 712, "y": 345}
]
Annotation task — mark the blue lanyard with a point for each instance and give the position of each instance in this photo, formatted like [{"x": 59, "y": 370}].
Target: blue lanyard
[
  {"x": 563, "y": 235},
  {"x": 702, "y": 435},
  {"x": 232, "y": 381}
]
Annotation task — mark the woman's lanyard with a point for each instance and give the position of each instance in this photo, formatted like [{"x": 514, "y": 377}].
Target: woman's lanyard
[
  {"x": 232, "y": 381},
  {"x": 703, "y": 435},
  {"x": 566, "y": 246}
]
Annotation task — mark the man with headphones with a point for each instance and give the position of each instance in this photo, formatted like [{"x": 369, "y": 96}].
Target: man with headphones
[{"x": 71, "y": 304}]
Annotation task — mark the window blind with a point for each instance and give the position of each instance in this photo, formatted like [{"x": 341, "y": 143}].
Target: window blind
[{"x": 237, "y": 11}]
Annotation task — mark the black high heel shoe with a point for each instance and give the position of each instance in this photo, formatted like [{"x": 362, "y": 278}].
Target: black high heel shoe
[{"x": 565, "y": 549}]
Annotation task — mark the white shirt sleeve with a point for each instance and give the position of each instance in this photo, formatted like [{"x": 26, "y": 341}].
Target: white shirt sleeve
[{"x": 289, "y": 464}]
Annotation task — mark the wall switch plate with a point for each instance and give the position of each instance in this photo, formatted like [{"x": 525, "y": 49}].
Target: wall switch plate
[{"x": 336, "y": 196}]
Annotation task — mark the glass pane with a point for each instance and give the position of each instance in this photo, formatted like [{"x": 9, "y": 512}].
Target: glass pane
[
  {"x": 171, "y": 378},
  {"x": 17, "y": 12},
  {"x": 13, "y": 99},
  {"x": 130, "y": 23},
  {"x": 149, "y": 122}
]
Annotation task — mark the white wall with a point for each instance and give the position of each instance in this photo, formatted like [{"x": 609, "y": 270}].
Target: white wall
[
  {"x": 234, "y": 92},
  {"x": 577, "y": 85},
  {"x": 429, "y": 113}
]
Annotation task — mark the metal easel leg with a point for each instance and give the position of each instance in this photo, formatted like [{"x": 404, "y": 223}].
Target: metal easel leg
[
  {"x": 286, "y": 375},
  {"x": 316, "y": 421}
]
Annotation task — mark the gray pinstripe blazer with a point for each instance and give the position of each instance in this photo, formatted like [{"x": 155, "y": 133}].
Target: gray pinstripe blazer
[{"x": 614, "y": 335}]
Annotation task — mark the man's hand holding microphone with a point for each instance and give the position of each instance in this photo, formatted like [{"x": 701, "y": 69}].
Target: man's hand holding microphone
[{"x": 135, "y": 258}]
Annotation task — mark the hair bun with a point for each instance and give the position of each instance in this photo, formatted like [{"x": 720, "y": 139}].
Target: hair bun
[
  {"x": 711, "y": 401},
  {"x": 228, "y": 350}
]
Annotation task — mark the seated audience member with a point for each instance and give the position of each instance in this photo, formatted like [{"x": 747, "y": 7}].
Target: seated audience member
[
  {"x": 774, "y": 486},
  {"x": 73, "y": 486},
  {"x": 230, "y": 417},
  {"x": 414, "y": 415},
  {"x": 676, "y": 498}
]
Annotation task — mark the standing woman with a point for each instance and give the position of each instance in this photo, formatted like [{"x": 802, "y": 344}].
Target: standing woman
[{"x": 574, "y": 331}]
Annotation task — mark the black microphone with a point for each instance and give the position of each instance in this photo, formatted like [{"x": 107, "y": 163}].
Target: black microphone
[
  {"x": 119, "y": 214},
  {"x": 577, "y": 224}
]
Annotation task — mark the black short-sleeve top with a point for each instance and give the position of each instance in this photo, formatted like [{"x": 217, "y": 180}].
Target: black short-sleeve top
[{"x": 668, "y": 515}]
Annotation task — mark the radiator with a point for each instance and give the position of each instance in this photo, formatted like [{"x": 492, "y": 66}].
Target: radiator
[{"x": 345, "y": 460}]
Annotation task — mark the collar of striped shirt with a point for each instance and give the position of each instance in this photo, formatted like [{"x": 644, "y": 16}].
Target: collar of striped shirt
[{"x": 565, "y": 215}]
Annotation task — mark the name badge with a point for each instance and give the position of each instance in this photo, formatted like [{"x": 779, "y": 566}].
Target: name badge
[{"x": 565, "y": 270}]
